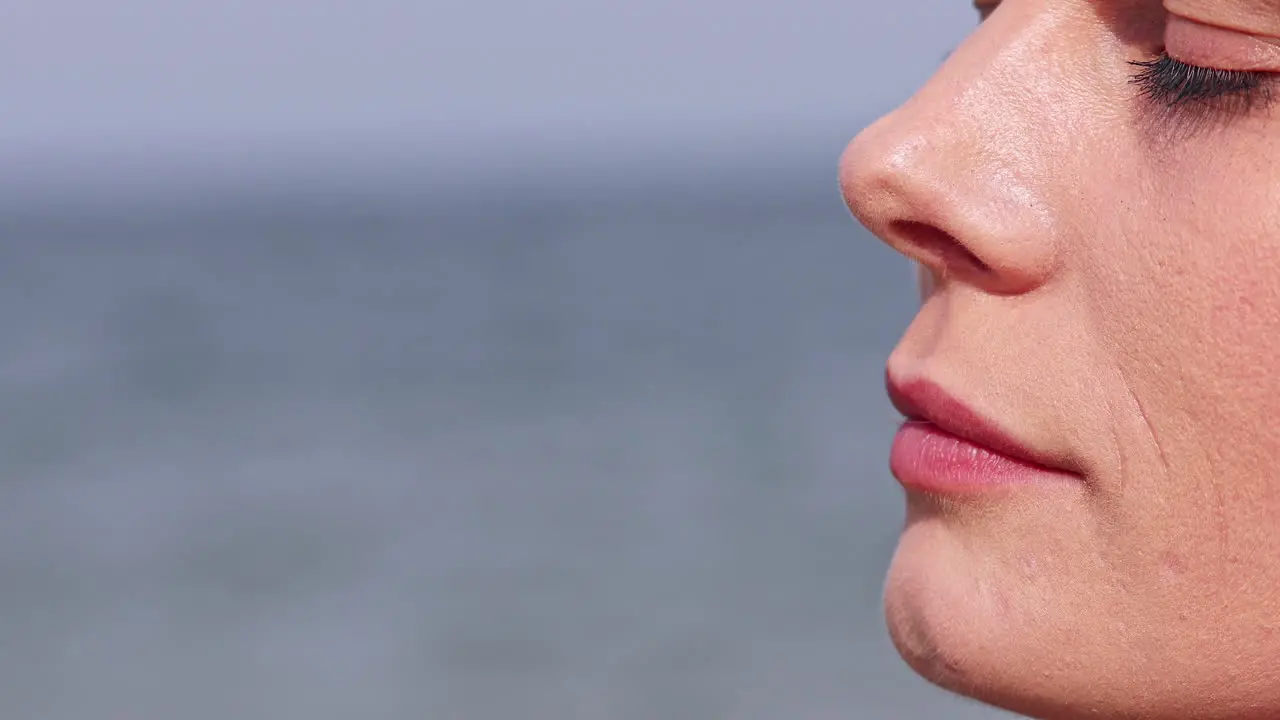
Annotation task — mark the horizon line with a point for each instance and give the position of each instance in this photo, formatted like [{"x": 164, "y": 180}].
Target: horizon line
[{"x": 45, "y": 182}]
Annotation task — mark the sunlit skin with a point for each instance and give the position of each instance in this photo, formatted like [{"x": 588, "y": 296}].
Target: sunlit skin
[{"x": 1103, "y": 283}]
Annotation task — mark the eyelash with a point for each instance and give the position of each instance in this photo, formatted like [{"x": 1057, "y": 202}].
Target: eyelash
[{"x": 1179, "y": 86}]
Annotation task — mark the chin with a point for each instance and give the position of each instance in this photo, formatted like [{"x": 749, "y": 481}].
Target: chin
[
  {"x": 996, "y": 606},
  {"x": 967, "y": 617},
  {"x": 933, "y": 619}
]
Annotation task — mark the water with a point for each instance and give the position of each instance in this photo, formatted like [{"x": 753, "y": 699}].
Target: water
[{"x": 557, "y": 459}]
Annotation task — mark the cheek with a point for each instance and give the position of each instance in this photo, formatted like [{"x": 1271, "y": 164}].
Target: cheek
[{"x": 1185, "y": 292}]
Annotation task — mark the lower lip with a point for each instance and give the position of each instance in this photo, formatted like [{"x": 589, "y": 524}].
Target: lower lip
[{"x": 927, "y": 459}]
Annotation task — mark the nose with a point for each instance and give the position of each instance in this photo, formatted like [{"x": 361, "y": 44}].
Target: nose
[{"x": 959, "y": 177}]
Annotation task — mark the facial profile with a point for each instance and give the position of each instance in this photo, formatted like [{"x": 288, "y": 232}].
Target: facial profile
[{"x": 1092, "y": 475}]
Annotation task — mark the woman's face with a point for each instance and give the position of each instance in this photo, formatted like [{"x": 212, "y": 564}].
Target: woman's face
[{"x": 1102, "y": 242}]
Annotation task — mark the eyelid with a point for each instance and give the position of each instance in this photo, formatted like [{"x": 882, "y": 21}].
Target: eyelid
[{"x": 1203, "y": 45}]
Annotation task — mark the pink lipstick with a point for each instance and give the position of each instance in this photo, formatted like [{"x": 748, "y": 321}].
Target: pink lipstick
[{"x": 943, "y": 447}]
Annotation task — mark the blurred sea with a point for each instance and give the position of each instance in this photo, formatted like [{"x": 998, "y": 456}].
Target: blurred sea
[{"x": 550, "y": 455}]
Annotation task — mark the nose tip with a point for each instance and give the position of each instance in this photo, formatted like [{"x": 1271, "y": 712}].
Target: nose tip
[
  {"x": 875, "y": 180},
  {"x": 929, "y": 188},
  {"x": 877, "y": 173}
]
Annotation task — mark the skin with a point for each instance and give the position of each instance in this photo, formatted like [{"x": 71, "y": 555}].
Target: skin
[{"x": 1102, "y": 281}]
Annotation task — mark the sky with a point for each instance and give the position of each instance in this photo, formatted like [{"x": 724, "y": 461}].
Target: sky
[{"x": 454, "y": 80}]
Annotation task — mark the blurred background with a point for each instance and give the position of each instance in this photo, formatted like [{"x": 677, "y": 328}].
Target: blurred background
[{"x": 457, "y": 360}]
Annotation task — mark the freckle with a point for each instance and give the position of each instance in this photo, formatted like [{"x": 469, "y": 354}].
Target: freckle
[{"x": 1172, "y": 566}]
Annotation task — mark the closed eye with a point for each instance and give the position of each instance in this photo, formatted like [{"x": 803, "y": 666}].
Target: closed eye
[{"x": 1176, "y": 85}]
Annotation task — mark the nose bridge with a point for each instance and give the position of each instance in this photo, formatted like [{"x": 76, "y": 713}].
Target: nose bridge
[{"x": 959, "y": 176}]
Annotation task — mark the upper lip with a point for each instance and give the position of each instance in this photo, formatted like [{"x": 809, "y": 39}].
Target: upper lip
[{"x": 922, "y": 400}]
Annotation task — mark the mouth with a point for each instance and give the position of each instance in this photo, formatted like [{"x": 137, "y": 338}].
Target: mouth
[{"x": 944, "y": 447}]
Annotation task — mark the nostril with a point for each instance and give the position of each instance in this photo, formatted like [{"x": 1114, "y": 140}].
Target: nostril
[{"x": 936, "y": 249}]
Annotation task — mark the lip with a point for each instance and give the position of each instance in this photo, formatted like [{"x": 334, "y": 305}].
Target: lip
[{"x": 945, "y": 447}]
